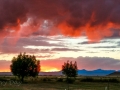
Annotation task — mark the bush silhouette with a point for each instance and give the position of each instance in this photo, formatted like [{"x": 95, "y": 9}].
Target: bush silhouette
[
  {"x": 60, "y": 80},
  {"x": 87, "y": 79},
  {"x": 69, "y": 69},
  {"x": 70, "y": 80},
  {"x": 25, "y": 65}
]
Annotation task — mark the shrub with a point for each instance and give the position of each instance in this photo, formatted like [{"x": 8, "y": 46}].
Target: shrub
[
  {"x": 60, "y": 80},
  {"x": 87, "y": 79},
  {"x": 114, "y": 80},
  {"x": 46, "y": 79},
  {"x": 70, "y": 80},
  {"x": 25, "y": 65},
  {"x": 90, "y": 79},
  {"x": 3, "y": 79}
]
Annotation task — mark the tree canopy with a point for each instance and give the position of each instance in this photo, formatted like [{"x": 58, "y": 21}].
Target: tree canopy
[
  {"x": 69, "y": 69},
  {"x": 25, "y": 65}
]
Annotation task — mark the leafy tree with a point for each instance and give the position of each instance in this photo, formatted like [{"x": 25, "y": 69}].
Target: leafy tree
[
  {"x": 25, "y": 65},
  {"x": 69, "y": 69}
]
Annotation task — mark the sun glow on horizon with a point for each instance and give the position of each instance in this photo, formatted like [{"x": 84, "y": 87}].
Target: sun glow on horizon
[
  {"x": 43, "y": 69},
  {"x": 49, "y": 69},
  {"x": 5, "y": 70}
]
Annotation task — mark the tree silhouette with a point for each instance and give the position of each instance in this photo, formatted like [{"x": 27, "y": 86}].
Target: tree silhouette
[
  {"x": 25, "y": 65},
  {"x": 69, "y": 69}
]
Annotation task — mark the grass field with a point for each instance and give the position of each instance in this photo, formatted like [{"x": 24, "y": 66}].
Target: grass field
[{"x": 58, "y": 83}]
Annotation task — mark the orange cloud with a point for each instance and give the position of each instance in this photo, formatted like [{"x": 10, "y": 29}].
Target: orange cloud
[{"x": 71, "y": 18}]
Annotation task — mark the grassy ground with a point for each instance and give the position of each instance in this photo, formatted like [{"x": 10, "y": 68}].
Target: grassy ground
[{"x": 54, "y": 83}]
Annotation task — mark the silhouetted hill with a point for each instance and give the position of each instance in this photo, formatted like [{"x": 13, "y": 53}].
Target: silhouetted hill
[{"x": 117, "y": 73}]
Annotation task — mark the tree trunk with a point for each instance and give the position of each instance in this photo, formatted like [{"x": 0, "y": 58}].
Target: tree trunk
[
  {"x": 22, "y": 78},
  {"x": 67, "y": 79}
]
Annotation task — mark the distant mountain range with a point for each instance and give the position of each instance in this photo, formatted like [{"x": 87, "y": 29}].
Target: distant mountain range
[{"x": 97, "y": 72}]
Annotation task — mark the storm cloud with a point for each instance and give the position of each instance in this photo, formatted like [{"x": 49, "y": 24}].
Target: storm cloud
[{"x": 94, "y": 18}]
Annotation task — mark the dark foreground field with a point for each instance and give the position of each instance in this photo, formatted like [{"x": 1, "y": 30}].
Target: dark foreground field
[{"x": 59, "y": 83}]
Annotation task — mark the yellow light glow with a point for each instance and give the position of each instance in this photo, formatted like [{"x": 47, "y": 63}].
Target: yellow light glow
[{"x": 49, "y": 69}]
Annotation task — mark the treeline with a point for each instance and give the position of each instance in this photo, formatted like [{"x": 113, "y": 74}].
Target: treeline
[{"x": 24, "y": 65}]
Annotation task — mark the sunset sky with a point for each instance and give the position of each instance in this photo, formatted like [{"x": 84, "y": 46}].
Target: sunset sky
[{"x": 86, "y": 31}]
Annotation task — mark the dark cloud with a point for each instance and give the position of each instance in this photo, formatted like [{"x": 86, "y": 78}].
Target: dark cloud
[
  {"x": 98, "y": 62},
  {"x": 107, "y": 47},
  {"x": 86, "y": 42},
  {"x": 65, "y": 49},
  {"x": 11, "y": 12},
  {"x": 34, "y": 42},
  {"x": 8, "y": 47},
  {"x": 106, "y": 40},
  {"x": 70, "y": 17},
  {"x": 44, "y": 56},
  {"x": 89, "y": 63},
  {"x": 11, "y": 49}
]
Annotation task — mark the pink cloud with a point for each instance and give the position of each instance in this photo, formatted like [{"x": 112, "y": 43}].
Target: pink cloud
[{"x": 88, "y": 63}]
